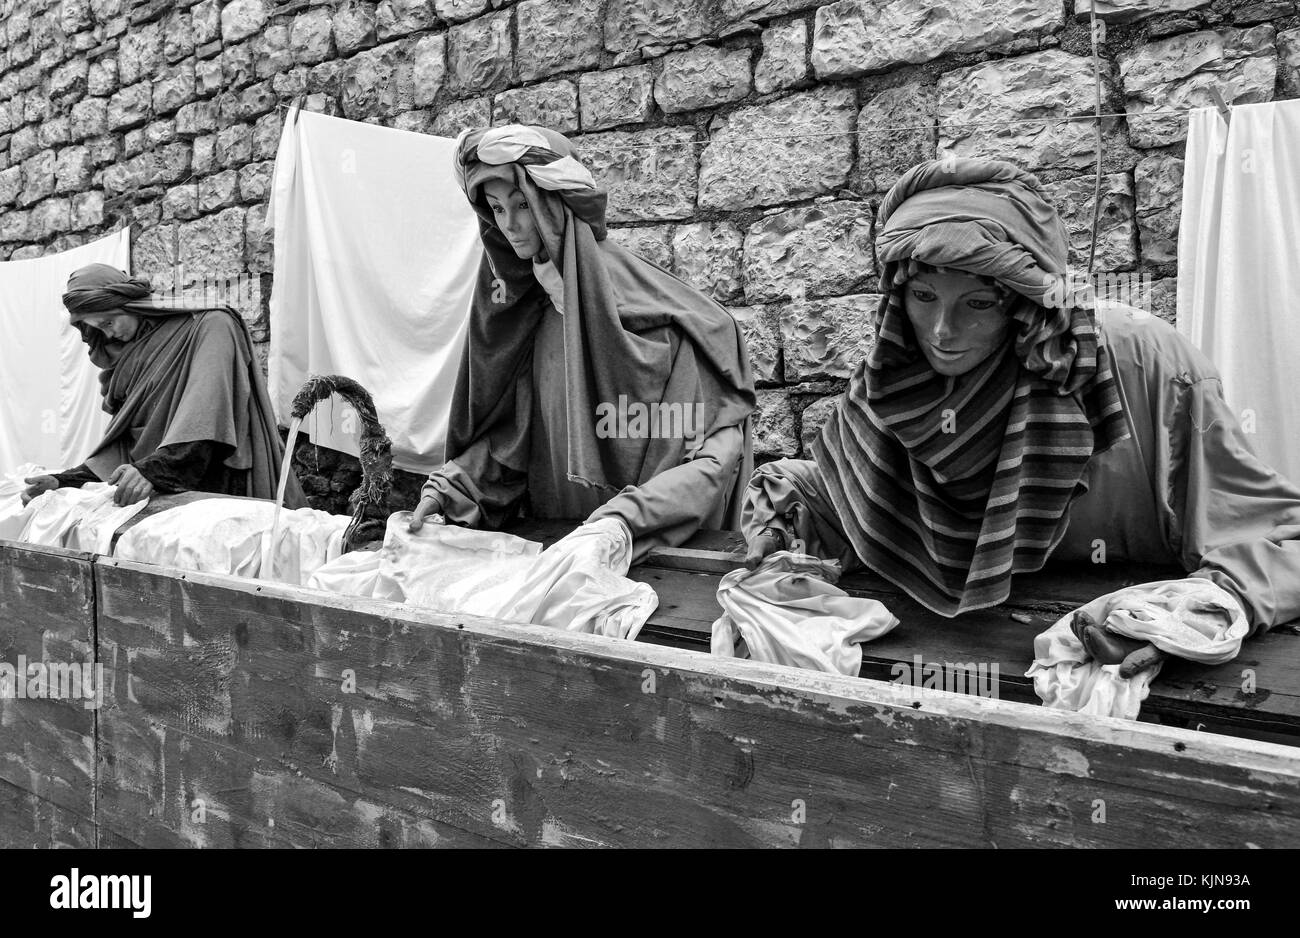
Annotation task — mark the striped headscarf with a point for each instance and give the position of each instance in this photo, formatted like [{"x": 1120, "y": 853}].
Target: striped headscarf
[{"x": 947, "y": 486}]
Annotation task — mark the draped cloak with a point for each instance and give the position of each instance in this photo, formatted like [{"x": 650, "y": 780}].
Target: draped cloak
[
  {"x": 632, "y": 331},
  {"x": 188, "y": 375}
]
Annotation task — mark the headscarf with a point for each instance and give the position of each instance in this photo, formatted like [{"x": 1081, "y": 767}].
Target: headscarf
[
  {"x": 618, "y": 311},
  {"x": 166, "y": 386},
  {"x": 948, "y": 486}
]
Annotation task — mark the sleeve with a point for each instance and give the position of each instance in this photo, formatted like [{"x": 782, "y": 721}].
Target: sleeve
[
  {"x": 1236, "y": 521},
  {"x": 75, "y": 478},
  {"x": 180, "y": 467},
  {"x": 668, "y": 508},
  {"x": 475, "y": 490}
]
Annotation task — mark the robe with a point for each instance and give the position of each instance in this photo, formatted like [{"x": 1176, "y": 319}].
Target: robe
[
  {"x": 190, "y": 411},
  {"x": 1186, "y": 489},
  {"x": 478, "y": 491}
]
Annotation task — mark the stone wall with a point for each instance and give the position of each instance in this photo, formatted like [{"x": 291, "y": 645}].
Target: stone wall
[{"x": 739, "y": 138}]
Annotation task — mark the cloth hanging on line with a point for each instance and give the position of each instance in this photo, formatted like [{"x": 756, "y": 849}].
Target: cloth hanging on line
[
  {"x": 1239, "y": 266},
  {"x": 579, "y": 584},
  {"x": 231, "y": 536},
  {"x": 789, "y": 611},
  {"x": 1191, "y": 618},
  {"x": 49, "y": 390},
  {"x": 376, "y": 253}
]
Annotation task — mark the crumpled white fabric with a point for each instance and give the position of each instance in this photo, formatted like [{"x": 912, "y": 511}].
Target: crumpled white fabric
[
  {"x": 13, "y": 515},
  {"x": 789, "y": 611},
  {"x": 82, "y": 519},
  {"x": 578, "y": 584},
  {"x": 229, "y": 535},
  {"x": 1192, "y": 618}
]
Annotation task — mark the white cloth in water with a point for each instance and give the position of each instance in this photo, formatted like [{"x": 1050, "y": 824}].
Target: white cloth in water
[
  {"x": 577, "y": 584},
  {"x": 82, "y": 519},
  {"x": 229, "y": 535},
  {"x": 1192, "y": 618},
  {"x": 788, "y": 611}
]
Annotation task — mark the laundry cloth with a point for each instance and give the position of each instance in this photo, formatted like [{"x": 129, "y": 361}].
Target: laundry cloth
[
  {"x": 82, "y": 519},
  {"x": 232, "y": 536},
  {"x": 789, "y": 611},
  {"x": 578, "y": 584},
  {"x": 1191, "y": 618}
]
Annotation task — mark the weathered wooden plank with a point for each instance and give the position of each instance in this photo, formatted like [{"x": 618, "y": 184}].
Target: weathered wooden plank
[
  {"x": 47, "y": 745},
  {"x": 521, "y": 735},
  {"x": 28, "y": 821},
  {"x": 221, "y": 769}
]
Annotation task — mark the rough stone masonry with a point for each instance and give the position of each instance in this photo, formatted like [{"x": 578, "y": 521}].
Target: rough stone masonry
[{"x": 164, "y": 115}]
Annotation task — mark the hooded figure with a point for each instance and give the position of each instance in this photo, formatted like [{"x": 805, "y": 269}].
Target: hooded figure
[
  {"x": 1003, "y": 418},
  {"x": 190, "y": 410},
  {"x": 593, "y": 383}
]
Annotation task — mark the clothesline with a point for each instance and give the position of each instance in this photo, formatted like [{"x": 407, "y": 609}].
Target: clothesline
[{"x": 891, "y": 128}]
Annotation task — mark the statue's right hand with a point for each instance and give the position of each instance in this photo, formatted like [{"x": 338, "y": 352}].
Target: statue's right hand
[
  {"x": 37, "y": 485},
  {"x": 429, "y": 509}
]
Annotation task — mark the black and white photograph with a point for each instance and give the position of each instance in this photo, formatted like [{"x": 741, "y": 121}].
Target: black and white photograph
[{"x": 640, "y": 424}]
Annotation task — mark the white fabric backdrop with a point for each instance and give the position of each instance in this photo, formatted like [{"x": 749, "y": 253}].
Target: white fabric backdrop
[
  {"x": 50, "y": 411},
  {"x": 376, "y": 253},
  {"x": 1239, "y": 266}
]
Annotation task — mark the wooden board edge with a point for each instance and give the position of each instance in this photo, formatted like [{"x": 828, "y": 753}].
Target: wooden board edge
[{"x": 833, "y": 690}]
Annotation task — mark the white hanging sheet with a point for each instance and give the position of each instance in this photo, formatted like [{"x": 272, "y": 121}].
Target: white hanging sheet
[
  {"x": 376, "y": 256},
  {"x": 1239, "y": 266},
  {"x": 50, "y": 406}
]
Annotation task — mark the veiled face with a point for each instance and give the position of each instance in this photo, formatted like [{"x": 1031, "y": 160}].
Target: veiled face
[
  {"x": 959, "y": 320},
  {"x": 120, "y": 327},
  {"x": 514, "y": 218}
]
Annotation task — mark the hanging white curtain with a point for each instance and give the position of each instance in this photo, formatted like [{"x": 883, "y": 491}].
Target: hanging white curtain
[
  {"x": 50, "y": 406},
  {"x": 376, "y": 254},
  {"x": 1239, "y": 266}
]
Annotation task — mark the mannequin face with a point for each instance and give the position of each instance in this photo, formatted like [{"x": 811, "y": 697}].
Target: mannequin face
[
  {"x": 959, "y": 320},
  {"x": 120, "y": 327},
  {"x": 514, "y": 218}
]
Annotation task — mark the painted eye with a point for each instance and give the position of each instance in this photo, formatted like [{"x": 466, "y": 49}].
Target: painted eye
[
  {"x": 982, "y": 304},
  {"x": 925, "y": 296}
]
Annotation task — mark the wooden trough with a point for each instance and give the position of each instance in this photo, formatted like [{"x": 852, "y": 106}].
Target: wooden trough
[{"x": 237, "y": 713}]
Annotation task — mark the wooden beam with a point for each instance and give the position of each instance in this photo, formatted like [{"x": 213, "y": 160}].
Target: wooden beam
[
  {"x": 328, "y": 719},
  {"x": 47, "y": 746}
]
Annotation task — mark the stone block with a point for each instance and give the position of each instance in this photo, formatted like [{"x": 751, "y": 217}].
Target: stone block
[
  {"x": 557, "y": 36},
  {"x": 827, "y": 338},
  {"x": 795, "y": 148},
  {"x": 651, "y": 175},
  {"x": 617, "y": 96},
  {"x": 704, "y": 76},
  {"x": 816, "y": 250},
  {"x": 553, "y": 104},
  {"x": 707, "y": 256}
]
